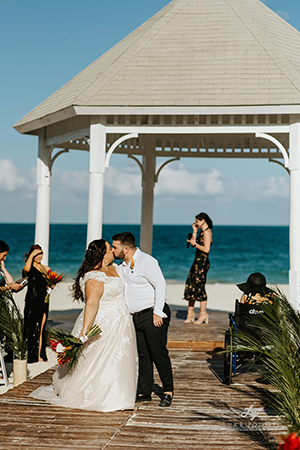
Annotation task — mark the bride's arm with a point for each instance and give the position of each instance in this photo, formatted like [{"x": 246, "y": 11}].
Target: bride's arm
[{"x": 93, "y": 292}]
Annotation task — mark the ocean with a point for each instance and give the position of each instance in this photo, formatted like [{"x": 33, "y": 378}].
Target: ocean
[{"x": 236, "y": 251}]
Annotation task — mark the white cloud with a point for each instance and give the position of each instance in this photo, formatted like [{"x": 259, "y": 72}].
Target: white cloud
[
  {"x": 12, "y": 178},
  {"x": 179, "y": 181},
  {"x": 257, "y": 191},
  {"x": 70, "y": 186},
  {"x": 176, "y": 180},
  {"x": 269, "y": 189},
  {"x": 176, "y": 183},
  {"x": 123, "y": 183}
]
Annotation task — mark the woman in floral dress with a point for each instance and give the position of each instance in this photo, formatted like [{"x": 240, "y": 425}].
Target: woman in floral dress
[{"x": 195, "y": 283}]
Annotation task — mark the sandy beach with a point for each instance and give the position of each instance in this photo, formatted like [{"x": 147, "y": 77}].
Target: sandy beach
[{"x": 221, "y": 297}]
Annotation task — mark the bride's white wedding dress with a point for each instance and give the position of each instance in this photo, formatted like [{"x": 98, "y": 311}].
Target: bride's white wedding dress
[{"x": 105, "y": 378}]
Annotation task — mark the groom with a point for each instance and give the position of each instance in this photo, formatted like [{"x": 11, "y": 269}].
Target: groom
[{"x": 145, "y": 293}]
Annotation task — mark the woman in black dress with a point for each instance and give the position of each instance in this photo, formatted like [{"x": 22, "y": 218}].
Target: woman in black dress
[
  {"x": 36, "y": 310},
  {"x": 195, "y": 283}
]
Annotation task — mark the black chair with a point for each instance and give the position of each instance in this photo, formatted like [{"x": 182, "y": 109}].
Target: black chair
[{"x": 242, "y": 319}]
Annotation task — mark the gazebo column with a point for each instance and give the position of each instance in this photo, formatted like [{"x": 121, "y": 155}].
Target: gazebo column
[
  {"x": 42, "y": 223},
  {"x": 294, "y": 275},
  {"x": 148, "y": 183},
  {"x": 96, "y": 181}
]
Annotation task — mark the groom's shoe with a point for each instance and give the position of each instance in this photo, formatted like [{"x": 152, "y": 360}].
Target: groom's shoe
[
  {"x": 166, "y": 400},
  {"x": 143, "y": 398}
]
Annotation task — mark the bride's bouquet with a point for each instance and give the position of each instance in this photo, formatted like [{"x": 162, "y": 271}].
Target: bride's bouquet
[
  {"x": 69, "y": 347},
  {"x": 52, "y": 278}
]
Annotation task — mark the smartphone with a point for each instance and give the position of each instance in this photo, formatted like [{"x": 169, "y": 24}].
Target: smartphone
[{"x": 22, "y": 281}]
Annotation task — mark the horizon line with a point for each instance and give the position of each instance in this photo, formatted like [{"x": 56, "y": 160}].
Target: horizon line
[{"x": 155, "y": 224}]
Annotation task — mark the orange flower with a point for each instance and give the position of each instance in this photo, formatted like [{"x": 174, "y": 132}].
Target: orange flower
[
  {"x": 54, "y": 344},
  {"x": 291, "y": 442},
  {"x": 52, "y": 278},
  {"x": 68, "y": 347}
]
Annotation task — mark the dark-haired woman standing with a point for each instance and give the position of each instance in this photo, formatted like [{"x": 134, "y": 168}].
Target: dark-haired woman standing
[
  {"x": 36, "y": 310},
  {"x": 105, "y": 378},
  {"x": 195, "y": 283},
  {"x": 6, "y": 280}
]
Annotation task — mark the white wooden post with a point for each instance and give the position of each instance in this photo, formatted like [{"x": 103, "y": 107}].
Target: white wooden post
[
  {"x": 96, "y": 185},
  {"x": 149, "y": 161},
  {"x": 294, "y": 274},
  {"x": 42, "y": 223}
]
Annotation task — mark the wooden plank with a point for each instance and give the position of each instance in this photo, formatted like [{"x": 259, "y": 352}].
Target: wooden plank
[
  {"x": 205, "y": 414},
  {"x": 196, "y": 345}
]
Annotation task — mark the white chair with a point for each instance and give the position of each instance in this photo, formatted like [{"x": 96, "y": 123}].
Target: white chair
[{"x": 3, "y": 373}]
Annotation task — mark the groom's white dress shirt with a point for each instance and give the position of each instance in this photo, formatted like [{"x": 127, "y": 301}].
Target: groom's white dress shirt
[{"x": 145, "y": 285}]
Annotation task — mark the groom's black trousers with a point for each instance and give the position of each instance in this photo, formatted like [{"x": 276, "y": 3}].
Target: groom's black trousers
[{"x": 151, "y": 343}]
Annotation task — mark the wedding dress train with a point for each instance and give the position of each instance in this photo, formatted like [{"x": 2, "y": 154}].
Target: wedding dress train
[{"x": 105, "y": 378}]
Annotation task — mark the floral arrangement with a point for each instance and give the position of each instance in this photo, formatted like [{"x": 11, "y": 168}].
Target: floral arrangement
[
  {"x": 68, "y": 347},
  {"x": 52, "y": 278},
  {"x": 290, "y": 442}
]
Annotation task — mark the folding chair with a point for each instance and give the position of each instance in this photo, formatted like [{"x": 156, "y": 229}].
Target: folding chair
[{"x": 3, "y": 373}]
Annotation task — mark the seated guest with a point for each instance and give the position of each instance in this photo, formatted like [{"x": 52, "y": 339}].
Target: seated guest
[{"x": 255, "y": 290}]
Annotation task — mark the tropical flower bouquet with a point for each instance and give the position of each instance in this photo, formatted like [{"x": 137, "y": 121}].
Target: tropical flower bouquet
[
  {"x": 290, "y": 442},
  {"x": 52, "y": 278},
  {"x": 69, "y": 347}
]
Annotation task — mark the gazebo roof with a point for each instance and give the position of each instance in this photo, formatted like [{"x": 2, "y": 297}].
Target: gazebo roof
[{"x": 192, "y": 53}]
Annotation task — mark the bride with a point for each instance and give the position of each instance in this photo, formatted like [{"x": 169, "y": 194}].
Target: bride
[{"x": 105, "y": 378}]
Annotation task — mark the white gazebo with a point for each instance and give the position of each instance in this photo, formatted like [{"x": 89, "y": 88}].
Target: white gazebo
[{"x": 200, "y": 79}]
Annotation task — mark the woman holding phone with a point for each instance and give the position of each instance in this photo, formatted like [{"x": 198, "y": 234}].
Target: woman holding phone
[{"x": 195, "y": 283}]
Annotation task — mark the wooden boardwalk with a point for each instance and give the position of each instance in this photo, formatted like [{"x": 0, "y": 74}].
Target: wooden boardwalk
[
  {"x": 205, "y": 414},
  {"x": 180, "y": 335}
]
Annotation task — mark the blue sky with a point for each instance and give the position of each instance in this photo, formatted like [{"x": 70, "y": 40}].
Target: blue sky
[{"x": 45, "y": 44}]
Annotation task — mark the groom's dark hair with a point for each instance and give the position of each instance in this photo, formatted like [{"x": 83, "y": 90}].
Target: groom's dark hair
[{"x": 126, "y": 238}]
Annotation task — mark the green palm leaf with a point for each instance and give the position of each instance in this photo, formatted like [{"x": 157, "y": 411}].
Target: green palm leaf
[
  {"x": 274, "y": 337},
  {"x": 12, "y": 324}
]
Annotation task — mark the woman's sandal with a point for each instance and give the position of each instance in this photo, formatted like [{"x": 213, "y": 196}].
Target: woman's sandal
[
  {"x": 190, "y": 317},
  {"x": 204, "y": 320}
]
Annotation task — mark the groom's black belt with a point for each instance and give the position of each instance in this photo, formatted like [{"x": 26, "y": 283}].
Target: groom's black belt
[{"x": 139, "y": 313}]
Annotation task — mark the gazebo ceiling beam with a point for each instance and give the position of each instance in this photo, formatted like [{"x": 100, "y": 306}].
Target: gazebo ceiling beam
[
  {"x": 179, "y": 110},
  {"x": 67, "y": 137},
  {"x": 188, "y": 153},
  {"x": 219, "y": 129},
  {"x": 76, "y": 137},
  {"x": 234, "y": 141}
]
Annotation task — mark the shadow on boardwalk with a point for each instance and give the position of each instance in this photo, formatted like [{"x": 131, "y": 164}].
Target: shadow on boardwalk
[{"x": 205, "y": 414}]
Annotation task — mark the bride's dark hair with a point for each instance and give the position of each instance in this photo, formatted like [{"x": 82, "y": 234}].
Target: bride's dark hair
[{"x": 93, "y": 258}]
